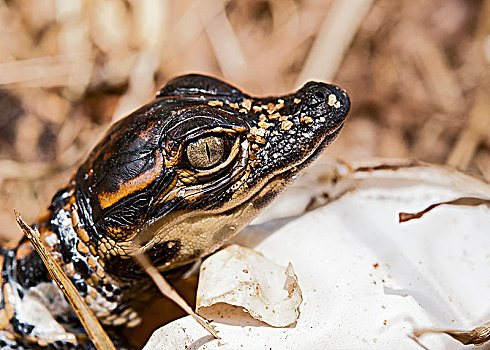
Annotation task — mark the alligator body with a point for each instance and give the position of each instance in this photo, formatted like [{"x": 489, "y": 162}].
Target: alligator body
[{"x": 175, "y": 180}]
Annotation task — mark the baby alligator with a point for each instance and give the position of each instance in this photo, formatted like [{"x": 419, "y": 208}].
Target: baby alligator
[{"x": 175, "y": 179}]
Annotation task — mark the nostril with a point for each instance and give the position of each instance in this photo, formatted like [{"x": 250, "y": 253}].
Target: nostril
[
  {"x": 326, "y": 97},
  {"x": 317, "y": 95},
  {"x": 320, "y": 94}
]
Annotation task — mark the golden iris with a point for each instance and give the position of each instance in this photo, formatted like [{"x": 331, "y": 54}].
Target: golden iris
[{"x": 206, "y": 152}]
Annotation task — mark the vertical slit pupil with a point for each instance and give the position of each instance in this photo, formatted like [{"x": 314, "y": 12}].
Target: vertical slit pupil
[
  {"x": 208, "y": 152},
  {"x": 205, "y": 152}
]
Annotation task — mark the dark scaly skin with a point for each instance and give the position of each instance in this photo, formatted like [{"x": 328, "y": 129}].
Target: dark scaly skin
[{"x": 138, "y": 191}]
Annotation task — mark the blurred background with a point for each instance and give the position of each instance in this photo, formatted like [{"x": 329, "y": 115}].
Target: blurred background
[{"x": 417, "y": 71}]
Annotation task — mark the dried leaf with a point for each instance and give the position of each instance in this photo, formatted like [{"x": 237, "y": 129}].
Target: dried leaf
[
  {"x": 95, "y": 331},
  {"x": 477, "y": 336},
  {"x": 471, "y": 201}
]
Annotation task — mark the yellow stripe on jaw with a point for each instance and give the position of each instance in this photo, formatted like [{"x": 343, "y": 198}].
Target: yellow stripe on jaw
[{"x": 106, "y": 199}]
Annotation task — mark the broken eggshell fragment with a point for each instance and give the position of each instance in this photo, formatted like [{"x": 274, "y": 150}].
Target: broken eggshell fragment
[{"x": 242, "y": 277}]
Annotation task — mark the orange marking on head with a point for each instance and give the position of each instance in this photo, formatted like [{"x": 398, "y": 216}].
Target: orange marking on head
[
  {"x": 106, "y": 199},
  {"x": 146, "y": 132}
]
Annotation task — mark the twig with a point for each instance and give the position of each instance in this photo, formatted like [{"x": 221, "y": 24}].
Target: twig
[{"x": 167, "y": 290}]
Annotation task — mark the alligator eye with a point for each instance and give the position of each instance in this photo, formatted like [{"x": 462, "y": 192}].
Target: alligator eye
[{"x": 206, "y": 152}]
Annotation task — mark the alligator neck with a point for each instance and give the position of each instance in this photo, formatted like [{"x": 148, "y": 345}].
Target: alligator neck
[{"x": 106, "y": 295}]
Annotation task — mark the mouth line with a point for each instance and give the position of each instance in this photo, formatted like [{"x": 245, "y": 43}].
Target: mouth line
[
  {"x": 336, "y": 128},
  {"x": 285, "y": 173},
  {"x": 330, "y": 136},
  {"x": 274, "y": 185}
]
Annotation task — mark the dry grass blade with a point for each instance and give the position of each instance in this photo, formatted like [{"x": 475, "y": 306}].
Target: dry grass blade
[
  {"x": 477, "y": 336},
  {"x": 471, "y": 201},
  {"x": 434, "y": 66},
  {"x": 475, "y": 132},
  {"x": 333, "y": 39},
  {"x": 422, "y": 346},
  {"x": 141, "y": 85},
  {"x": 17, "y": 170},
  {"x": 477, "y": 128},
  {"x": 167, "y": 290},
  {"x": 59, "y": 70},
  {"x": 95, "y": 331},
  {"x": 226, "y": 46}
]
